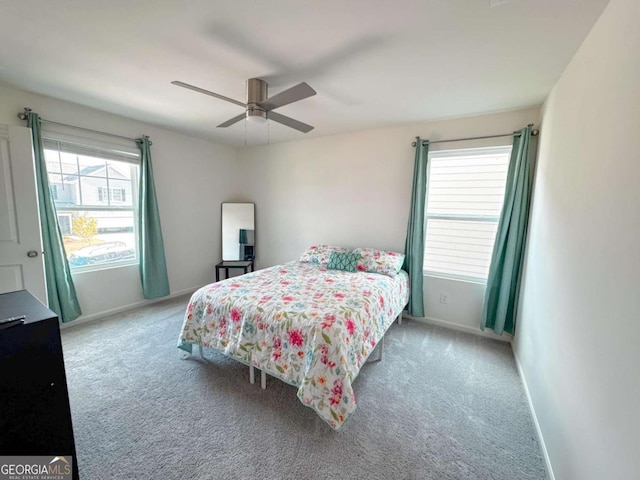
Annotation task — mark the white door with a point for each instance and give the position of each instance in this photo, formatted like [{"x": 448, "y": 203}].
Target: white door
[{"x": 21, "y": 264}]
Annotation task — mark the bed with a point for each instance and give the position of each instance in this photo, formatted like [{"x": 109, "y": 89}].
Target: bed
[{"x": 308, "y": 325}]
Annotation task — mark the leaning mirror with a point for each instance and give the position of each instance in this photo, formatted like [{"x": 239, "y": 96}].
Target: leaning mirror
[{"x": 238, "y": 231}]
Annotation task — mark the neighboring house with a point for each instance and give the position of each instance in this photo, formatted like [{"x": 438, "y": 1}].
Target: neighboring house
[{"x": 89, "y": 192}]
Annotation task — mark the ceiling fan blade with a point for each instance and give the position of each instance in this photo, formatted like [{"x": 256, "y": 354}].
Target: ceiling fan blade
[
  {"x": 289, "y": 122},
  {"x": 233, "y": 120},
  {"x": 207, "y": 92},
  {"x": 293, "y": 94}
]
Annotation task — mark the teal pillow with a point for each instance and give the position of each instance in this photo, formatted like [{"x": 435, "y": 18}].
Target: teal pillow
[{"x": 343, "y": 261}]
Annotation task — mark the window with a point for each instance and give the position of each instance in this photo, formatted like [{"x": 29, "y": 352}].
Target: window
[
  {"x": 464, "y": 200},
  {"x": 112, "y": 195},
  {"x": 93, "y": 189}
]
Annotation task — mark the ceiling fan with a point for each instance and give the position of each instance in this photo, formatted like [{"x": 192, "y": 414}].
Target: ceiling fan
[{"x": 259, "y": 107}]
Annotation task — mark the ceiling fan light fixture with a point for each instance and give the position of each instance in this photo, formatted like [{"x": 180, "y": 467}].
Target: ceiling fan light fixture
[{"x": 256, "y": 116}]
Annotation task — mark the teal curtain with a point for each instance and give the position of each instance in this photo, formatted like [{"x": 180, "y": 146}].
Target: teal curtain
[
  {"x": 414, "y": 244},
  {"x": 153, "y": 266},
  {"x": 503, "y": 284},
  {"x": 61, "y": 293}
]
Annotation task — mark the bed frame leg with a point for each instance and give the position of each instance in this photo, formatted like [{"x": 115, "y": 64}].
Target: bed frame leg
[
  {"x": 252, "y": 374},
  {"x": 380, "y": 348},
  {"x": 201, "y": 351},
  {"x": 400, "y": 319},
  {"x": 263, "y": 380}
]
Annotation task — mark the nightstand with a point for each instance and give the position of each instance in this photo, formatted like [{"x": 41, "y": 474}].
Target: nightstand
[{"x": 231, "y": 264}]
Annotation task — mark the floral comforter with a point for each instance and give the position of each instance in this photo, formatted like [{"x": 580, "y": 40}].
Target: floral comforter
[{"x": 302, "y": 323}]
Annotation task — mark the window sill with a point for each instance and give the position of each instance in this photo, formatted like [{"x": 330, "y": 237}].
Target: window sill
[
  {"x": 455, "y": 279},
  {"x": 90, "y": 269}
]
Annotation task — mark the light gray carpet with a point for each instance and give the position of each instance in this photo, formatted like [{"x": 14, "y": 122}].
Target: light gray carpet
[{"x": 442, "y": 405}]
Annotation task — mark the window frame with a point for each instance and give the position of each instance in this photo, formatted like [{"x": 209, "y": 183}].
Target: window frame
[
  {"x": 108, "y": 152},
  {"x": 449, "y": 153}
]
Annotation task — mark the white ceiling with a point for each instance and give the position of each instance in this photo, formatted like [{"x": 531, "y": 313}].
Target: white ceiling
[{"x": 373, "y": 63}]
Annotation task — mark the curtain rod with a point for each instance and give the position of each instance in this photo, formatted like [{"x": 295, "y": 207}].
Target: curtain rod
[
  {"x": 25, "y": 115},
  {"x": 514, "y": 134}
]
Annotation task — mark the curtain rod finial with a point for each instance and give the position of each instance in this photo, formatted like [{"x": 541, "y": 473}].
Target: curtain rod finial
[{"x": 24, "y": 115}]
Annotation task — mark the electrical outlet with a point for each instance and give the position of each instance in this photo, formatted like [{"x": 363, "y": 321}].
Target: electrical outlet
[{"x": 444, "y": 297}]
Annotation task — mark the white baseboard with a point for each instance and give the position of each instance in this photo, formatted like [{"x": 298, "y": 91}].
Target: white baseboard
[
  {"x": 505, "y": 337},
  {"x": 543, "y": 447},
  {"x": 98, "y": 315}
]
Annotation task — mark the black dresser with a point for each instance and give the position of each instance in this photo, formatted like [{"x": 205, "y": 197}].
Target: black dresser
[{"x": 35, "y": 418}]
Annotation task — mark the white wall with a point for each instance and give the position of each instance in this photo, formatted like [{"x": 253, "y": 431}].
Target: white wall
[
  {"x": 355, "y": 190},
  {"x": 351, "y": 189},
  {"x": 578, "y": 333},
  {"x": 192, "y": 176}
]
